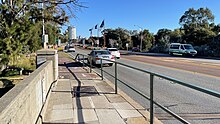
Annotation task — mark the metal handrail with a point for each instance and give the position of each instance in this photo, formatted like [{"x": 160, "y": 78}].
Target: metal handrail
[{"x": 152, "y": 74}]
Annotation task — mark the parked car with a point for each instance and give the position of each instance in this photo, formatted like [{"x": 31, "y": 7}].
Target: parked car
[
  {"x": 71, "y": 49},
  {"x": 95, "y": 55},
  {"x": 135, "y": 49},
  {"x": 183, "y": 49},
  {"x": 114, "y": 52}
]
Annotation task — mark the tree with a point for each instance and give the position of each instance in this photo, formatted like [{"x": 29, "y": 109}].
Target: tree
[
  {"x": 118, "y": 37},
  {"x": 197, "y": 25},
  {"x": 20, "y": 22},
  {"x": 162, "y": 40},
  {"x": 147, "y": 40}
]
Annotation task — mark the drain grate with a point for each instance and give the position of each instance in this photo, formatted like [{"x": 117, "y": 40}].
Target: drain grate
[{"x": 82, "y": 91}]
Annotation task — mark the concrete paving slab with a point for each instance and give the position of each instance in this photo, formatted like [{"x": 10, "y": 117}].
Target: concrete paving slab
[
  {"x": 77, "y": 70},
  {"x": 100, "y": 102},
  {"x": 129, "y": 113},
  {"x": 115, "y": 99},
  {"x": 74, "y": 82},
  {"x": 123, "y": 106},
  {"x": 109, "y": 116},
  {"x": 88, "y": 83},
  {"x": 86, "y": 76},
  {"x": 62, "y": 106},
  {"x": 84, "y": 115},
  {"x": 62, "y": 69},
  {"x": 146, "y": 114},
  {"x": 103, "y": 87},
  {"x": 65, "y": 75},
  {"x": 130, "y": 100},
  {"x": 138, "y": 120},
  {"x": 64, "y": 121},
  {"x": 63, "y": 85},
  {"x": 57, "y": 98},
  {"x": 82, "y": 103},
  {"x": 61, "y": 115}
]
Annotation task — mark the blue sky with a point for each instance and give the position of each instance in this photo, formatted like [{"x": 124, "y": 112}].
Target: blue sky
[{"x": 152, "y": 15}]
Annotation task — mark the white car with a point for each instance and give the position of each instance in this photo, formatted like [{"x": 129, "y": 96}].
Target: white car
[
  {"x": 114, "y": 52},
  {"x": 95, "y": 55},
  {"x": 183, "y": 49},
  {"x": 71, "y": 49}
]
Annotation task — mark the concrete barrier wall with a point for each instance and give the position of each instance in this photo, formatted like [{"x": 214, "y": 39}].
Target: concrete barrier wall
[{"x": 23, "y": 103}]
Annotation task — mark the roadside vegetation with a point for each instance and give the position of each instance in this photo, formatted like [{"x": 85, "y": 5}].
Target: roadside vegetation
[
  {"x": 21, "y": 34},
  {"x": 197, "y": 27}
]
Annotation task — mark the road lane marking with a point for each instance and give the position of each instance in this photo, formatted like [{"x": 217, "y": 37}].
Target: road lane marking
[
  {"x": 190, "y": 62},
  {"x": 208, "y": 75}
]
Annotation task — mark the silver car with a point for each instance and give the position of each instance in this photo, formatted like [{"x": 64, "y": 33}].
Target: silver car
[{"x": 95, "y": 55}]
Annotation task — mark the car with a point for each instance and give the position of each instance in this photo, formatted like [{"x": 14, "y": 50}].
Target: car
[
  {"x": 71, "y": 49},
  {"x": 135, "y": 49},
  {"x": 95, "y": 57},
  {"x": 183, "y": 49},
  {"x": 114, "y": 52}
]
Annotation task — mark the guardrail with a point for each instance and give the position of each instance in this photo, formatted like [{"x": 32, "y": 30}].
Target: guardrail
[{"x": 83, "y": 57}]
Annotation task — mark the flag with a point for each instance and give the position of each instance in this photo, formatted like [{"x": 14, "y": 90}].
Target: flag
[
  {"x": 102, "y": 24},
  {"x": 96, "y": 26}
]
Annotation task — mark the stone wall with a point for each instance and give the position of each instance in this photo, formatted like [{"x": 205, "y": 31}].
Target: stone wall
[{"x": 23, "y": 103}]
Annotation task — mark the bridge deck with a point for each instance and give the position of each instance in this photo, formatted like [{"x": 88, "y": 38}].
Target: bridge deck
[{"x": 82, "y": 97}]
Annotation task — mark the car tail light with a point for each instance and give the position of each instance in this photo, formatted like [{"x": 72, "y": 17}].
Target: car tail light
[
  {"x": 97, "y": 58},
  {"x": 113, "y": 57}
]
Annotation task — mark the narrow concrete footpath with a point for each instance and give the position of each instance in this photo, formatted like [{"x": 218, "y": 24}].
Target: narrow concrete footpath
[{"x": 82, "y": 97}]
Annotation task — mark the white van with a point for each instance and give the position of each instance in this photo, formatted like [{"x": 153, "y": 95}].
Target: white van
[{"x": 183, "y": 49}]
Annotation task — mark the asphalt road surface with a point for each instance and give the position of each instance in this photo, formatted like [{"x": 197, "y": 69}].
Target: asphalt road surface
[{"x": 194, "y": 106}]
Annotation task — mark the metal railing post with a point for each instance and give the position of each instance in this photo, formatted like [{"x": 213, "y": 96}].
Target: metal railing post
[
  {"x": 83, "y": 61},
  {"x": 116, "y": 79},
  {"x": 90, "y": 66},
  {"x": 151, "y": 99},
  {"x": 101, "y": 69}
]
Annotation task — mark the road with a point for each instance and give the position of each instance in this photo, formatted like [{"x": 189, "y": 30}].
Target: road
[{"x": 195, "y": 107}]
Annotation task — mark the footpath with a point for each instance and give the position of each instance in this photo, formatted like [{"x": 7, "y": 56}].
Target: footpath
[{"x": 83, "y": 97}]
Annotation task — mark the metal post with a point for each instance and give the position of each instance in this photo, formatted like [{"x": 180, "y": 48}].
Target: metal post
[
  {"x": 90, "y": 66},
  {"x": 151, "y": 99},
  {"x": 83, "y": 61},
  {"x": 43, "y": 30},
  {"x": 116, "y": 79},
  {"x": 141, "y": 40},
  {"x": 101, "y": 69}
]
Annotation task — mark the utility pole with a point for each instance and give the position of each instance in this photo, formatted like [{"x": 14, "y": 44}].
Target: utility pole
[
  {"x": 43, "y": 29},
  {"x": 141, "y": 33}
]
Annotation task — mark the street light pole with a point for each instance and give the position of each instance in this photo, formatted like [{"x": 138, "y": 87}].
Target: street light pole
[
  {"x": 43, "y": 32},
  {"x": 141, "y": 36}
]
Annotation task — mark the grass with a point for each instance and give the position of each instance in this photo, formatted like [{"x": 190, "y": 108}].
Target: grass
[
  {"x": 66, "y": 55},
  {"x": 26, "y": 62}
]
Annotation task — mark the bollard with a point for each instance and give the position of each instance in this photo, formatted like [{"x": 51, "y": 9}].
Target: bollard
[
  {"x": 151, "y": 99},
  {"x": 116, "y": 79},
  {"x": 101, "y": 69},
  {"x": 90, "y": 66}
]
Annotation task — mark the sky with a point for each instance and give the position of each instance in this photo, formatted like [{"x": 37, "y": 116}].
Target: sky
[{"x": 147, "y": 14}]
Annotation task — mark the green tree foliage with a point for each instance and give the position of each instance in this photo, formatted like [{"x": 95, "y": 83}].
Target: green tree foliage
[
  {"x": 198, "y": 25},
  {"x": 21, "y": 22},
  {"x": 120, "y": 36},
  {"x": 147, "y": 40}
]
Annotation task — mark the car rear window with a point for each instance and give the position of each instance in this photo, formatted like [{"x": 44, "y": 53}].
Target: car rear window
[
  {"x": 102, "y": 52},
  {"x": 71, "y": 46},
  {"x": 174, "y": 46},
  {"x": 112, "y": 49}
]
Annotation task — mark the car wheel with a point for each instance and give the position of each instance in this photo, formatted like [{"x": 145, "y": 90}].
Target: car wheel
[
  {"x": 170, "y": 53},
  {"x": 110, "y": 64}
]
